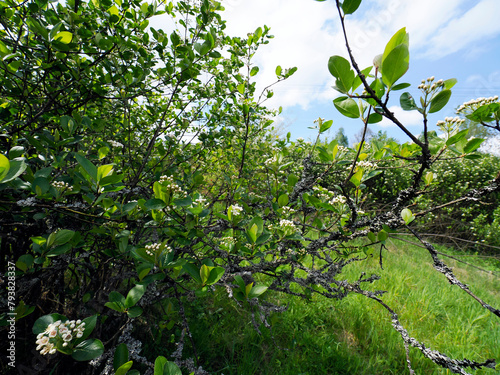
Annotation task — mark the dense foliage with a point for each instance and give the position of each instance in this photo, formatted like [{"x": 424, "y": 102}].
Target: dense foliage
[{"x": 140, "y": 173}]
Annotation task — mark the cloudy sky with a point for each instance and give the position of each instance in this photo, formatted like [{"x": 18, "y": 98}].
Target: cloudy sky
[{"x": 448, "y": 39}]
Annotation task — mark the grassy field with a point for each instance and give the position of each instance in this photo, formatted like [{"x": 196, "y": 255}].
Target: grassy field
[{"x": 355, "y": 336}]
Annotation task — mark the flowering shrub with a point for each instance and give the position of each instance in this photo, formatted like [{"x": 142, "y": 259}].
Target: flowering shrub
[{"x": 141, "y": 172}]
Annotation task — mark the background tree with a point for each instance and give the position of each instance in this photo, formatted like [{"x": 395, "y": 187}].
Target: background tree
[{"x": 139, "y": 175}]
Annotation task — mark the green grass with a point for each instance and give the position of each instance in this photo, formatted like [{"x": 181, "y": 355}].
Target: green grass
[{"x": 355, "y": 336}]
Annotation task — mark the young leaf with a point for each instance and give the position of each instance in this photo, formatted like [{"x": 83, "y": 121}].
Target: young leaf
[
  {"x": 256, "y": 291},
  {"x": 325, "y": 126},
  {"x": 123, "y": 369},
  {"x": 64, "y": 37},
  {"x": 4, "y": 166},
  {"x": 457, "y": 137},
  {"x": 407, "y": 216},
  {"x": 396, "y": 64}
]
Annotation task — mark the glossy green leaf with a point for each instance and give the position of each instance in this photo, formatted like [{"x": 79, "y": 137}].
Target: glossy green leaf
[
  {"x": 87, "y": 166},
  {"x": 325, "y": 126},
  {"x": 407, "y": 216},
  {"x": 396, "y": 64},
  {"x": 347, "y": 106},
  {"x": 134, "y": 295},
  {"x": 4, "y": 166},
  {"x": 340, "y": 68},
  {"x": 439, "y": 101},
  {"x": 88, "y": 350},
  {"x": 123, "y": 369},
  {"x": 64, "y": 37},
  {"x": 154, "y": 204},
  {"x": 350, "y": 6},
  {"x": 457, "y": 137},
  {"x": 283, "y": 200},
  {"x": 256, "y": 291},
  {"x": 472, "y": 145},
  {"x": 407, "y": 102}
]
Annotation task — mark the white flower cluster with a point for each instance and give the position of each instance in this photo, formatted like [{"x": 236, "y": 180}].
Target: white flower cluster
[
  {"x": 270, "y": 161},
  {"x": 323, "y": 193},
  {"x": 227, "y": 241},
  {"x": 59, "y": 331},
  {"x": 199, "y": 201},
  {"x": 428, "y": 86},
  {"x": 114, "y": 143},
  {"x": 451, "y": 120},
  {"x": 300, "y": 139},
  {"x": 287, "y": 210},
  {"x": 152, "y": 249},
  {"x": 287, "y": 224},
  {"x": 343, "y": 149},
  {"x": 476, "y": 103},
  {"x": 338, "y": 199},
  {"x": 236, "y": 209},
  {"x": 365, "y": 164},
  {"x": 169, "y": 182},
  {"x": 61, "y": 185}
]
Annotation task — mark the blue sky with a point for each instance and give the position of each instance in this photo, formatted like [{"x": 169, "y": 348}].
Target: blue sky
[{"x": 448, "y": 39}]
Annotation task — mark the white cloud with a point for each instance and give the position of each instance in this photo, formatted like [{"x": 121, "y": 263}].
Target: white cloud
[{"x": 475, "y": 25}]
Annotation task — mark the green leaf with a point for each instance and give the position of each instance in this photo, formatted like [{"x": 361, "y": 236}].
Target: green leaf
[
  {"x": 88, "y": 350},
  {"x": 400, "y": 86},
  {"x": 350, "y": 6},
  {"x": 449, "y": 83},
  {"x": 165, "y": 367},
  {"x": 254, "y": 71},
  {"x": 184, "y": 202},
  {"x": 252, "y": 232},
  {"x": 457, "y": 137},
  {"x": 193, "y": 271},
  {"x": 372, "y": 237},
  {"x": 325, "y": 126},
  {"x": 374, "y": 118},
  {"x": 439, "y": 101},
  {"x": 123, "y": 369},
  {"x": 283, "y": 200},
  {"x": 340, "y": 68},
  {"x": 256, "y": 291},
  {"x": 87, "y": 166},
  {"x": 407, "y": 216},
  {"x": 429, "y": 177},
  {"x": 382, "y": 235},
  {"x": 154, "y": 204},
  {"x": 347, "y": 106},
  {"x": 103, "y": 171},
  {"x": 64, "y": 37},
  {"x": 204, "y": 273},
  {"x": 396, "y": 64},
  {"x": 400, "y": 37},
  {"x": 473, "y": 145},
  {"x": 215, "y": 275},
  {"x": 4, "y": 166},
  {"x": 134, "y": 295},
  {"x": 134, "y": 312},
  {"x": 17, "y": 167},
  {"x": 407, "y": 102},
  {"x": 63, "y": 236}
]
